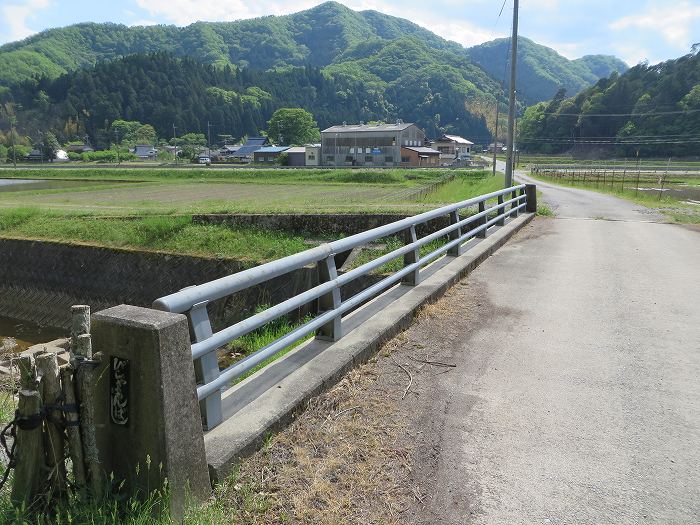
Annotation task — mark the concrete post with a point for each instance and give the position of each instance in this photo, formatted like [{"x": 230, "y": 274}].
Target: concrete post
[
  {"x": 531, "y": 193},
  {"x": 148, "y": 422}
]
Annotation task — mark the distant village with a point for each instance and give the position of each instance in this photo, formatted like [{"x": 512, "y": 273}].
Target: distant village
[{"x": 401, "y": 144}]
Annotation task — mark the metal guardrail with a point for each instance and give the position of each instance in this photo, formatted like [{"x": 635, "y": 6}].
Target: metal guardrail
[{"x": 327, "y": 324}]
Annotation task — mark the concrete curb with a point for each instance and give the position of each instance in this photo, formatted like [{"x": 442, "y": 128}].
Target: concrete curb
[{"x": 269, "y": 400}]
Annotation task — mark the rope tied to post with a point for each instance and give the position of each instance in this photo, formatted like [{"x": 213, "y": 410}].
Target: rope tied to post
[{"x": 31, "y": 422}]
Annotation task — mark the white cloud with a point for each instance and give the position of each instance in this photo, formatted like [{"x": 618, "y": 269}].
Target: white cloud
[
  {"x": 143, "y": 22},
  {"x": 17, "y": 16},
  {"x": 183, "y": 12},
  {"x": 672, "y": 22}
]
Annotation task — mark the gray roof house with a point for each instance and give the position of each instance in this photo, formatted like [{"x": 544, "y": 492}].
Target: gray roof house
[{"x": 368, "y": 144}]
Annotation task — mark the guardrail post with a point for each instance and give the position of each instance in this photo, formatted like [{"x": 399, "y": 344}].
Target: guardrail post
[
  {"x": 514, "y": 205},
  {"x": 531, "y": 196},
  {"x": 206, "y": 368},
  {"x": 501, "y": 210},
  {"x": 327, "y": 271},
  {"x": 482, "y": 220},
  {"x": 411, "y": 257},
  {"x": 147, "y": 423},
  {"x": 455, "y": 234}
]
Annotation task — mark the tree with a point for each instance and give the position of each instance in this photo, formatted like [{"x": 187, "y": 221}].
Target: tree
[
  {"x": 190, "y": 144},
  {"x": 293, "y": 126},
  {"x": 132, "y": 132},
  {"x": 49, "y": 145}
]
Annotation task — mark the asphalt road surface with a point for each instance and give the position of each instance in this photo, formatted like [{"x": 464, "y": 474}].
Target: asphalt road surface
[{"x": 576, "y": 399}]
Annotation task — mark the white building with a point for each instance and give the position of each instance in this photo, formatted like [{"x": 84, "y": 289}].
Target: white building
[{"x": 453, "y": 147}]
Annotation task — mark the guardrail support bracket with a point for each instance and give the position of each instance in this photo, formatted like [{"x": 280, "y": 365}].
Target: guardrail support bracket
[
  {"x": 455, "y": 251},
  {"x": 331, "y": 331},
  {"x": 411, "y": 257},
  {"x": 206, "y": 368}
]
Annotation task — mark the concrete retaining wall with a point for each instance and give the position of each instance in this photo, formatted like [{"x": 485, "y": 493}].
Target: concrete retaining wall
[
  {"x": 316, "y": 224},
  {"x": 39, "y": 281}
]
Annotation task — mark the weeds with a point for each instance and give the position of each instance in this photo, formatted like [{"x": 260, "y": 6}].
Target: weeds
[{"x": 544, "y": 210}]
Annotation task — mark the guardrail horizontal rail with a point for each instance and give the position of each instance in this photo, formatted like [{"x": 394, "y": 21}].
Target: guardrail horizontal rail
[{"x": 193, "y": 300}]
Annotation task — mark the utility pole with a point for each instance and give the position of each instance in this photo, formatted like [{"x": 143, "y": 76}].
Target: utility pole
[
  {"x": 175, "y": 143},
  {"x": 495, "y": 139},
  {"x": 116, "y": 136},
  {"x": 208, "y": 139},
  {"x": 12, "y": 139},
  {"x": 511, "y": 100}
]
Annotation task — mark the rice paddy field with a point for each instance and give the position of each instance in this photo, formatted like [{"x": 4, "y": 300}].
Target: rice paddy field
[{"x": 152, "y": 209}]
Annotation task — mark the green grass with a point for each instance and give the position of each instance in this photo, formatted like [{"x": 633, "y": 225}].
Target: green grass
[
  {"x": 678, "y": 211},
  {"x": 544, "y": 210},
  {"x": 263, "y": 336},
  {"x": 176, "y": 234},
  {"x": 465, "y": 186},
  {"x": 394, "y": 176}
]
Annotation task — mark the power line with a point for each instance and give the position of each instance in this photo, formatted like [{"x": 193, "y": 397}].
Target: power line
[{"x": 678, "y": 112}]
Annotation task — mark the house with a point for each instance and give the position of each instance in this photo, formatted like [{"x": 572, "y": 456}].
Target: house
[
  {"x": 377, "y": 145},
  {"x": 245, "y": 152},
  {"x": 419, "y": 156},
  {"x": 499, "y": 146},
  {"x": 268, "y": 154},
  {"x": 313, "y": 155},
  {"x": 79, "y": 148},
  {"x": 228, "y": 150},
  {"x": 296, "y": 156},
  {"x": 36, "y": 156},
  {"x": 452, "y": 147},
  {"x": 145, "y": 151}
]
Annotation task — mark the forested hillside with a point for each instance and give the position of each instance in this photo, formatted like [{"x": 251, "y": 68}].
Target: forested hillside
[
  {"x": 314, "y": 37},
  {"x": 163, "y": 90},
  {"x": 337, "y": 63},
  {"x": 541, "y": 70},
  {"x": 651, "y": 109}
]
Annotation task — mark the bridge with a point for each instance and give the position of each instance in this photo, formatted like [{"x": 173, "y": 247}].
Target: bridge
[
  {"x": 573, "y": 340},
  {"x": 579, "y": 400}
]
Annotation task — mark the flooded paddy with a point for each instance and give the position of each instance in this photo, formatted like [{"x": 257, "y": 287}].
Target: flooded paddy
[{"x": 15, "y": 185}]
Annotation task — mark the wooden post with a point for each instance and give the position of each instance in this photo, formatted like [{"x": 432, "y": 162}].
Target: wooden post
[
  {"x": 29, "y": 447},
  {"x": 80, "y": 321},
  {"x": 75, "y": 443},
  {"x": 82, "y": 345},
  {"x": 51, "y": 394}
]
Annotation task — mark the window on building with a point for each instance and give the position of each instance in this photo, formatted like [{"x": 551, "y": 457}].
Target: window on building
[
  {"x": 311, "y": 156},
  {"x": 329, "y": 158},
  {"x": 405, "y": 159},
  {"x": 388, "y": 159},
  {"x": 368, "y": 150}
]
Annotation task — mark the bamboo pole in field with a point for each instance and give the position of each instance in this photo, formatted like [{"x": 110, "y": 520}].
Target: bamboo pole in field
[
  {"x": 29, "y": 447},
  {"x": 86, "y": 381},
  {"x": 75, "y": 443},
  {"x": 51, "y": 394}
]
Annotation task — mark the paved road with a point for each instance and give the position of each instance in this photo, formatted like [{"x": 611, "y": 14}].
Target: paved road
[{"x": 578, "y": 394}]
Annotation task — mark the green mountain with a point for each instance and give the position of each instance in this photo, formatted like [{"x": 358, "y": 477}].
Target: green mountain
[
  {"x": 338, "y": 63},
  {"x": 653, "y": 110},
  {"x": 541, "y": 70},
  {"x": 314, "y": 37}
]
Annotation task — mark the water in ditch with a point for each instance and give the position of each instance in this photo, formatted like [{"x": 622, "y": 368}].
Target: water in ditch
[{"x": 16, "y": 336}]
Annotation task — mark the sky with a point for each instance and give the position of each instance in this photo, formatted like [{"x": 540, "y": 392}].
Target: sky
[{"x": 634, "y": 30}]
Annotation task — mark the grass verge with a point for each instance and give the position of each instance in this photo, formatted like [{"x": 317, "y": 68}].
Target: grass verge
[
  {"x": 176, "y": 234},
  {"x": 677, "y": 211}
]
